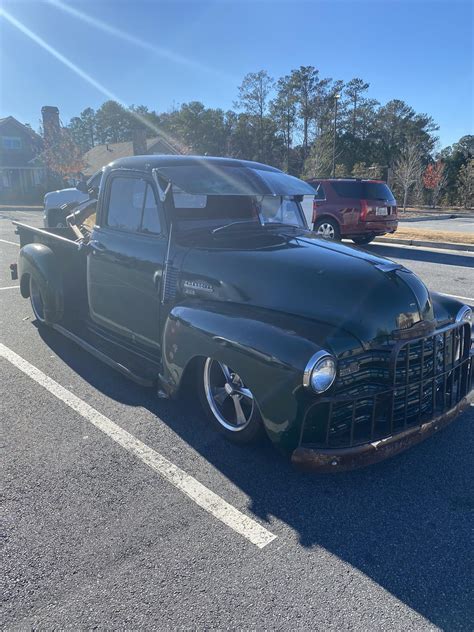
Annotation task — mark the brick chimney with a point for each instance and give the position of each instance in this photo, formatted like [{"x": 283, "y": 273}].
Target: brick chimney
[
  {"x": 51, "y": 126},
  {"x": 139, "y": 141}
]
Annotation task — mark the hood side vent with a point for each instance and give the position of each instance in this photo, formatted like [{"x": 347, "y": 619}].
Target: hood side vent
[{"x": 171, "y": 283}]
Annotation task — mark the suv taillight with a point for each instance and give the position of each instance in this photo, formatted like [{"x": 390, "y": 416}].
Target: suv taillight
[{"x": 363, "y": 209}]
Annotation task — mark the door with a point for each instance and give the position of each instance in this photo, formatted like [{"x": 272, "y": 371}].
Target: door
[{"x": 125, "y": 264}]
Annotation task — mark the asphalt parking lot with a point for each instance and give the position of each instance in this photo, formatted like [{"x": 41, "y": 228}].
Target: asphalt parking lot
[{"x": 95, "y": 536}]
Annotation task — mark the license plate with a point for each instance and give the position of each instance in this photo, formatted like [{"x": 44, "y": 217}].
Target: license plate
[{"x": 381, "y": 210}]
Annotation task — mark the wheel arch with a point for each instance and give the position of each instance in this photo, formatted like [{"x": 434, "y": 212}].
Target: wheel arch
[
  {"x": 328, "y": 215},
  {"x": 270, "y": 359},
  {"x": 40, "y": 262}
]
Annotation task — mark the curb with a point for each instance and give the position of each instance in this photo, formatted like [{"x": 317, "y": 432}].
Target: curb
[
  {"x": 436, "y": 218},
  {"x": 442, "y": 245},
  {"x": 427, "y": 218}
]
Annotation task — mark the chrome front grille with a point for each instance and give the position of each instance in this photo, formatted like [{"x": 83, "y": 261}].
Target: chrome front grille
[{"x": 393, "y": 389}]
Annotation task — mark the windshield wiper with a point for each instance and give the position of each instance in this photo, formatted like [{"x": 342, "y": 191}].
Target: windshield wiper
[
  {"x": 280, "y": 224},
  {"x": 244, "y": 221}
]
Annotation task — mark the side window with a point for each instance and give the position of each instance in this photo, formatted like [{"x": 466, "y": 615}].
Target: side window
[
  {"x": 151, "y": 217},
  {"x": 127, "y": 196},
  {"x": 319, "y": 192}
]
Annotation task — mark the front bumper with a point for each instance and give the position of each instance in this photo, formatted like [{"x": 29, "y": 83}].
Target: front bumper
[
  {"x": 428, "y": 381},
  {"x": 343, "y": 459}
]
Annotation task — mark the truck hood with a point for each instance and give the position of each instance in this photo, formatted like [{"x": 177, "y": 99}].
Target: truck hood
[{"x": 367, "y": 296}]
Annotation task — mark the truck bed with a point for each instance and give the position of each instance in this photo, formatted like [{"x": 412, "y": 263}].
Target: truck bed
[
  {"x": 54, "y": 237},
  {"x": 72, "y": 259}
]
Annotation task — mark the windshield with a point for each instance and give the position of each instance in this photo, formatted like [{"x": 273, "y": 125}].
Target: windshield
[
  {"x": 209, "y": 212},
  {"x": 208, "y": 177}
]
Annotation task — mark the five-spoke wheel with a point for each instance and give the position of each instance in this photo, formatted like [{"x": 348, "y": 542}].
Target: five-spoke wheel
[{"x": 228, "y": 402}]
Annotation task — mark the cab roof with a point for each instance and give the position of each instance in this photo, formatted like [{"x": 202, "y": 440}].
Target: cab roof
[
  {"x": 148, "y": 162},
  {"x": 205, "y": 175}
]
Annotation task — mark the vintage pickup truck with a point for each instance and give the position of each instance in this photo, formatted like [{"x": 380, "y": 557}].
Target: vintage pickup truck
[{"x": 201, "y": 272}]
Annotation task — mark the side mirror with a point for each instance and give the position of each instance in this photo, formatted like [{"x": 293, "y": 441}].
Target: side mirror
[
  {"x": 93, "y": 193},
  {"x": 82, "y": 187}
]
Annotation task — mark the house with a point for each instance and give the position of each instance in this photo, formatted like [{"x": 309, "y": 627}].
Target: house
[
  {"x": 20, "y": 179},
  {"x": 101, "y": 155}
]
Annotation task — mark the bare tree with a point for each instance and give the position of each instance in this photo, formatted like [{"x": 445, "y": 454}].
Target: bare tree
[
  {"x": 319, "y": 162},
  {"x": 283, "y": 110},
  {"x": 408, "y": 169},
  {"x": 354, "y": 91},
  {"x": 465, "y": 184},
  {"x": 254, "y": 92}
]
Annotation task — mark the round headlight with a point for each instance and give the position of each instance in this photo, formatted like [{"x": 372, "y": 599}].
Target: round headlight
[
  {"x": 320, "y": 372},
  {"x": 464, "y": 314}
]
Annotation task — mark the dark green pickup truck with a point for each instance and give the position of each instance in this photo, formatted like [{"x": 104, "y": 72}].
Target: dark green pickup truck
[{"x": 202, "y": 272}]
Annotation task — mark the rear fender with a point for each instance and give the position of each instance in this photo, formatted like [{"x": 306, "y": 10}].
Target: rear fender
[
  {"x": 266, "y": 351},
  {"x": 40, "y": 262}
]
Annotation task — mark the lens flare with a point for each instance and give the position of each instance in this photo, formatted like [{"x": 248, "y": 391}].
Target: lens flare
[
  {"x": 127, "y": 37},
  {"x": 84, "y": 75}
]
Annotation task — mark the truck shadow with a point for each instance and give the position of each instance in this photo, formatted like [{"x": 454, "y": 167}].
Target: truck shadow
[{"x": 404, "y": 523}]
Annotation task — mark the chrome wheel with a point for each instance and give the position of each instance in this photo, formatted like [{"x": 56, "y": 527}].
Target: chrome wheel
[
  {"x": 326, "y": 230},
  {"x": 36, "y": 300},
  {"x": 230, "y": 401}
]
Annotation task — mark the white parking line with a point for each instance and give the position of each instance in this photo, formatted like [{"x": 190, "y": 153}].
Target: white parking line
[
  {"x": 12, "y": 243},
  {"x": 469, "y": 299},
  {"x": 201, "y": 495},
  {"x": 10, "y": 287}
]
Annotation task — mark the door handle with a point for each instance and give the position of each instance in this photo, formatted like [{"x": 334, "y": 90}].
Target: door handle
[{"x": 97, "y": 245}]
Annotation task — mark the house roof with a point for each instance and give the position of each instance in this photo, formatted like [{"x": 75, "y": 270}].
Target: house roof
[
  {"x": 102, "y": 155},
  {"x": 25, "y": 128}
]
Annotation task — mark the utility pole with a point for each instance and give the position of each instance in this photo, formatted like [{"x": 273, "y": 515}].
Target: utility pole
[{"x": 336, "y": 98}]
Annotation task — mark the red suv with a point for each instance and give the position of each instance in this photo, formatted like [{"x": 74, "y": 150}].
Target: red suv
[{"x": 352, "y": 208}]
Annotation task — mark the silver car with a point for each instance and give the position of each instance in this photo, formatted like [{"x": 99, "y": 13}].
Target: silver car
[{"x": 54, "y": 201}]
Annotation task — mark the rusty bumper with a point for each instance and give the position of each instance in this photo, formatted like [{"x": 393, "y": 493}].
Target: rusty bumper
[{"x": 340, "y": 460}]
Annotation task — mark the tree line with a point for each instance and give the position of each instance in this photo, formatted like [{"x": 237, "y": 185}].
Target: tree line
[{"x": 308, "y": 125}]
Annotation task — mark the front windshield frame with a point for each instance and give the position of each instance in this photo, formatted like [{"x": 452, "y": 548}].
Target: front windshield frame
[{"x": 286, "y": 212}]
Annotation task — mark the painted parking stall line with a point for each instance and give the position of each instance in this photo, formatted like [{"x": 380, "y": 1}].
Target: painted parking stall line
[
  {"x": 10, "y": 287},
  {"x": 199, "y": 493},
  {"x": 12, "y": 243}
]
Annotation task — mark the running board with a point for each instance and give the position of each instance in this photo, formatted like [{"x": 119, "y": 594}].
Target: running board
[{"x": 106, "y": 359}]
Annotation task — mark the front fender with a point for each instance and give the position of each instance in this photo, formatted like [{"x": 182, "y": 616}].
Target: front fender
[
  {"x": 445, "y": 308},
  {"x": 39, "y": 261},
  {"x": 268, "y": 350}
]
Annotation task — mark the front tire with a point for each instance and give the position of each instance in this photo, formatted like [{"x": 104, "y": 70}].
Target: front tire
[
  {"x": 229, "y": 405},
  {"x": 327, "y": 228}
]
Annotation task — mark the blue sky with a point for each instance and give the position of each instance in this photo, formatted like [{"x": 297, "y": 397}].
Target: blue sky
[{"x": 420, "y": 51}]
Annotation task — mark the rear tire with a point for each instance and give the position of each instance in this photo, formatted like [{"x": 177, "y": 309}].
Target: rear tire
[
  {"x": 327, "y": 228},
  {"x": 37, "y": 303},
  {"x": 361, "y": 240},
  {"x": 229, "y": 405}
]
